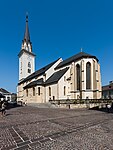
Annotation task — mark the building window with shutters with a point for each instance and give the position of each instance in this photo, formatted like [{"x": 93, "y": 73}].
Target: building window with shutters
[
  {"x": 33, "y": 91},
  {"x": 49, "y": 91},
  {"x": 88, "y": 75},
  {"x": 78, "y": 76},
  {"x": 38, "y": 90}
]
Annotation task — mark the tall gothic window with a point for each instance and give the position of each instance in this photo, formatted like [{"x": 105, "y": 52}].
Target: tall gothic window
[
  {"x": 49, "y": 91},
  {"x": 78, "y": 76},
  {"x": 88, "y": 75}
]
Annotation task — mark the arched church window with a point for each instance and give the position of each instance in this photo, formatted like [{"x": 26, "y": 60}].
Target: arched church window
[
  {"x": 27, "y": 92},
  {"x": 29, "y": 64},
  {"x": 88, "y": 75},
  {"x": 64, "y": 90},
  {"x": 49, "y": 91},
  {"x": 38, "y": 90},
  {"x": 78, "y": 76},
  {"x": 33, "y": 91}
]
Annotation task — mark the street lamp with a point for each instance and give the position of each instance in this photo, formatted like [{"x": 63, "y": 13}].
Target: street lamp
[{"x": 109, "y": 92}]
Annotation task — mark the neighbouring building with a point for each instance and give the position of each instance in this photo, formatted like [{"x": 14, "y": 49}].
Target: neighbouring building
[
  {"x": 6, "y": 94},
  {"x": 77, "y": 77},
  {"x": 107, "y": 91}
]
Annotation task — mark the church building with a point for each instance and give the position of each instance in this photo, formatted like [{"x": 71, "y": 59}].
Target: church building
[{"x": 77, "y": 77}]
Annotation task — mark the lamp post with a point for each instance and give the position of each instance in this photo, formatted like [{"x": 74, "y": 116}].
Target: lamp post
[
  {"x": 109, "y": 92},
  {"x": 81, "y": 81}
]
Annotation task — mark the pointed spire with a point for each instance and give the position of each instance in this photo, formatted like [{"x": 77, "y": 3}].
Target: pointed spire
[{"x": 27, "y": 35}]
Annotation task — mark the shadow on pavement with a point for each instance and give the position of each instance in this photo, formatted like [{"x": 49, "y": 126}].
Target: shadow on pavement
[
  {"x": 102, "y": 109},
  {"x": 10, "y": 106}
]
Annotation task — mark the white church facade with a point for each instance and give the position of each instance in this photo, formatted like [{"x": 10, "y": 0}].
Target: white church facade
[{"x": 77, "y": 77}]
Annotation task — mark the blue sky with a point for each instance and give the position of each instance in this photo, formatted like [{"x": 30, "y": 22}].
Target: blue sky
[{"x": 58, "y": 28}]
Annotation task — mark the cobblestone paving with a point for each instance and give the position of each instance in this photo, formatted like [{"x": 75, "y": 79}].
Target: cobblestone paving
[{"x": 31, "y": 128}]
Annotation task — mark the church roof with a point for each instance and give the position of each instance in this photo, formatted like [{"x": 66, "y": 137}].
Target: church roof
[
  {"x": 34, "y": 83},
  {"x": 38, "y": 72},
  {"x": 52, "y": 79},
  {"x": 56, "y": 76},
  {"x": 74, "y": 59},
  {"x": 107, "y": 87},
  {"x": 27, "y": 35}
]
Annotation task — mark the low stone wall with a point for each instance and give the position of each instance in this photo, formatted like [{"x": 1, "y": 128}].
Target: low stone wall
[{"x": 73, "y": 106}]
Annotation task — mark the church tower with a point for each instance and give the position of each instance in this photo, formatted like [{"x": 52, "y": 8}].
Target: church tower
[{"x": 26, "y": 56}]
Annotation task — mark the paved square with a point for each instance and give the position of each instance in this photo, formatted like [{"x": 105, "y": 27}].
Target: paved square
[{"x": 26, "y": 128}]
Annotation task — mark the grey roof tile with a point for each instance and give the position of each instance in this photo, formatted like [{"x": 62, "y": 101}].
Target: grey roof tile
[
  {"x": 38, "y": 72},
  {"x": 74, "y": 59},
  {"x": 51, "y": 80},
  {"x": 56, "y": 76},
  {"x": 35, "y": 83}
]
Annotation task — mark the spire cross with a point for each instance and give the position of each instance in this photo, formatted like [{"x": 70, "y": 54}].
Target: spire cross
[
  {"x": 26, "y": 16},
  {"x": 81, "y": 49}
]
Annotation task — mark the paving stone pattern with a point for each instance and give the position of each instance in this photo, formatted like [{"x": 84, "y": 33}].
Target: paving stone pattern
[{"x": 31, "y": 128}]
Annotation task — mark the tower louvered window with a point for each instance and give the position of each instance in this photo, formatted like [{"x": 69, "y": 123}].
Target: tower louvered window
[{"x": 29, "y": 67}]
